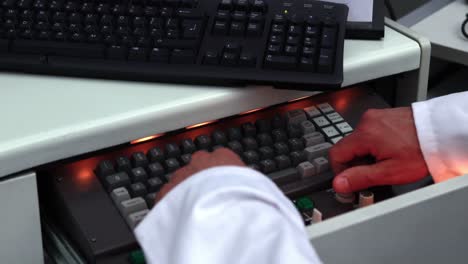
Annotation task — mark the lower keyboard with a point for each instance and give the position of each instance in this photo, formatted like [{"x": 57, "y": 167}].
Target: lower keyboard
[{"x": 102, "y": 197}]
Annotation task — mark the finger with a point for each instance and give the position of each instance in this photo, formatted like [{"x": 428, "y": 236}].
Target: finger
[
  {"x": 348, "y": 149},
  {"x": 362, "y": 177},
  {"x": 227, "y": 157}
]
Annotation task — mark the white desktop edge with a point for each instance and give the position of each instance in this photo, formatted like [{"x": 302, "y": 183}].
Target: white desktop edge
[{"x": 364, "y": 61}]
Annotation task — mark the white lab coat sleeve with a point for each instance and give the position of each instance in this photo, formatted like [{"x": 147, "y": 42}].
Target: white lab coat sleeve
[
  {"x": 225, "y": 215},
  {"x": 442, "y": 128}
]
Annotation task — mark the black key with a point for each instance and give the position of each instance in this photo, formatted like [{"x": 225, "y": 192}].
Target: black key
[
  {"x": 259, "y": 5},
  {"x": 297, "y": 157},
  {"x": 283, "y": 162},
  {"x": 156, "y": 155},
  {"x": 211, "y": 58},
  {"x": 220, "y": 28},
  {"x": 219, "y": 138},
  {"x": 307, "y": 64},
  {"x": 160, "y": 55},
  {"x": 249, "y": 143},
  {"x": 266, "y": 152},
  {"x": 236, "y": 147},
  {"x": 58, "y": 48},
  {"x": 274, "y": 49},
  {"x": 256, "y": 17},
  {"x": 137, "y": 54},
  {"x": 296, "y": 144},
  {"x": 192, "y": 29},
  {"x": 276, "y": 40},
  {"x": 150, "y": 11},
  {"x": 292, "y": 40},
  {"x": 154, "y": 184},
  {"x": 225, "y": 5},
  {"x": 235, "y": 133},
  {"x": 265, "y": 139},
  {"x": 277, "y": 30},
  {"x": 137, "y": 189},
  {"x": 328, "y": 37},
  {"x": 138, "y": 175},
  {"x": 105, "y": 168},
  {"x": 284, "y": 176},
  {"x": 294, "y": 131},
  {"x": 325, "y": 62},
  {"x": 182, "y": 56},
  {"x": 123, "y": 164},
  {"x": 249, "y": 129},
  {"x": 280, "y": 62},
  {"x": 239, "y": 16},
  {"x": 311, "y": 31},
  {"x": 117, "y": 180},
  {"x": 229, "y": 59},
  {"x": 172, "y": 165},
  {"x": 139, "y": 159},
  {"x": 188, "y": 147},
  {"x": 268, "y": 166},
  {"x": 309, "y": 52},
  {"x": 279, "y": 135},
  {"x": 241, "y": 4},
  {"x": 281, "y": 148},
  {"x": 150, "y": 199},
  {"x": 172, "y": 150},
  {"x": 294, "y": 30},
  {"x": 291, "y": 50},
  {"x": 223, "y": 15},
  {"x": 190, "y": 13},
  {"x": 155, "y": 169},
  {"x": 203, "y": 142},
  {"x": 263, "y": 125},
  {"x": 251, "y": 157},
  {"x": 278, "y": 121},
  {"x": 237, "y": 28},
  {"x": 279, "y": 19},
  {"x": 185, "y": 159}
]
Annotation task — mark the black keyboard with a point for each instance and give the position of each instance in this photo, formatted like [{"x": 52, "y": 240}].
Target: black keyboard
[
  {"x": 293, "y": 43},
  {"x": 100, "y": 197}
]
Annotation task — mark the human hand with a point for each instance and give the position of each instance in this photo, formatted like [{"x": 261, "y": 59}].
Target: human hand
[
  {"x": 390, "y": 137},
  {"x": 201, "y": 160}
]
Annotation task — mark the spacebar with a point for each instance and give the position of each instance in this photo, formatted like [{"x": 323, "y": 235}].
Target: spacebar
[
  {"x": 305, "y": 186},
  {"x": 58, "y": 48}
]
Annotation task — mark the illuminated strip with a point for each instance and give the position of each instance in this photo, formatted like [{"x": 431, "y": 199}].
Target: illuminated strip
[{"x": 136, "y": 141}]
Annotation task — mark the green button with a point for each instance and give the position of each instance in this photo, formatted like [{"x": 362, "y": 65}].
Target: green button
[
  {"x": 137, "y": 257},
  {"x": 305, "y": 203}
]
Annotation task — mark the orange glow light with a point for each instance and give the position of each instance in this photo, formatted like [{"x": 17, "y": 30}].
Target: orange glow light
[
  {"x": 251, "y": 111},
  {"x": 300, "y": 98},
  {"x": 136, "y": 141},
  {"x": 341, "y": 104},
  {"x": 201, "y": 124},
  {"x": 84, "y": 177}
]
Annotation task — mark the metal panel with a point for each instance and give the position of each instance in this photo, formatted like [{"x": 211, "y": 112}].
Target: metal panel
[{"x": 20, "y": 229}]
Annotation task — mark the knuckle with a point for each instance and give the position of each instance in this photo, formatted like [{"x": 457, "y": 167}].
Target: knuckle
[{"x": 201, "y": 154}]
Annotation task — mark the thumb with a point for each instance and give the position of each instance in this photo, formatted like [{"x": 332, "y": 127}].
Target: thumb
[{"x": 362, "y": 177}]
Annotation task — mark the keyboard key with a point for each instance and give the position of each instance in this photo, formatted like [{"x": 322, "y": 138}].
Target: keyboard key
[
  {"x": 188, "y": 147},
  {"x": 236, "y": 147},
  {"x": 119, "y": 195},
  {"x": 219, "y": 138},
  {"x": 105, "y": 168},
  {"x": 155, "y": 170},
  {"x": 265, "y": 139},
  {"x": 296, "y": 144},
  {"x": 284, "y": 176},
  {"x": 307, "y": 127},
  {"x": 186, "y": 158},
  {"x": 279, "y": 135},
  {"x": 172, "y": 165},
  {"x": 312, "y": 112},
  {"x": 159, "y": 55},
  {"x": 58, "y": 48},
  {"x": 283, "y": 162},
  {"x": 266, "y": 152},
  {"x": 335, "y": 117},
  {"x": 235, "y": 133},
  {"x": 117, "y": 180},
  {"x": 249, "y": 130},
  {"x": 280, "y": 62},
  {"x": 150, "y": 199},
  {"x": 154, "y": 184},
  {"x": 251, "y": 157},
  {"x": 263, "y": 125},
  {"x": 312, "y": 139},
  {"x": 336, "y": 139},
  {"x": 325, "y": 62},
  {"x": 172, "y": 150},
  {"x": 180, "y": 56},
  {"x": 211, "y": 58},
  {"x": 328, "y": 37},
  {"x": 297, "y": 157},
  {"x": 220, "y": 28},
  {"x": 156, "y": 155},
  {"x": 139, "y": 159},
  {"x": 294, "y": 131},
  {"x": 321, "y": 121},
  {"x": 268, "y": 166},
  {"x": 344, "y": 128},
  {"x": 229, "y": 59},
  {"x": 306, "y": 169},
  {"x": 247, "y": 59},
  {"x": 137, "y": 189},
  {"x": 135, "y": 218},
  {"x": 249, "y": 143},
  {"x": 138, "y": 174},
  {"x": 326, "y": 108},
  {"x": 203, "y": 142},
  {"x": 237, "y": 28},
  {"x": 296, "y": 116},
  {"x": 281, "y": 148},
  {"x": 330, "y": 132},
  {"x": 321, "y": 164},
  {"x": 254, "y": 29},
  {"x": 278, "y": 122},
  {"x": 320, "y": 150}
]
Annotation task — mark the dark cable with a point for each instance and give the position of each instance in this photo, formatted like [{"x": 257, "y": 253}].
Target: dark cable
[
  {"x": 390, "y": 9},
  {"x": 463, "y": 27}
]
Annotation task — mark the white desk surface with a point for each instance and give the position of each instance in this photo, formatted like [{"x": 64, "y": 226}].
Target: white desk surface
[
  {"x": 47, "y": 118},
  {"x": 443, "y": 29}
]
